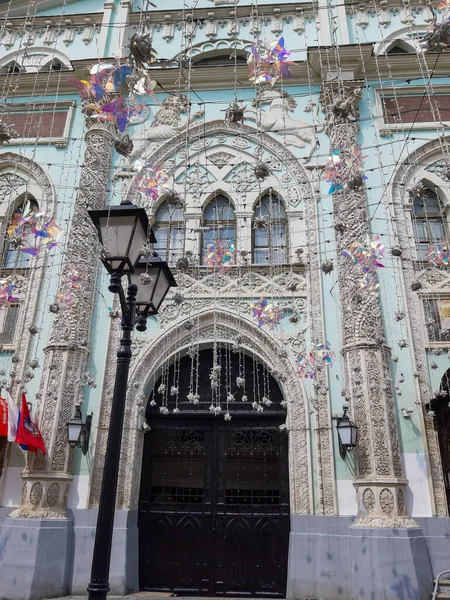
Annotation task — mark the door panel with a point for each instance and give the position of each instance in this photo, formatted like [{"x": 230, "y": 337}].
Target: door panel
[{"x": 214, "y": 513}]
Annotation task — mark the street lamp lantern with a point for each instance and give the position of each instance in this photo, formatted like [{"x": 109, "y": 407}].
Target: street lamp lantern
[
  {"x": 347, "y": 433},
  {"x": 122, "y": 231},
  {"x": 78, "y": 433},
  {"x": 153, "y": 278}
]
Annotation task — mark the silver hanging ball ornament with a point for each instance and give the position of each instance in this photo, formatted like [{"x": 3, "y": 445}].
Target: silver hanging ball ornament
[
  {"x": 340, "y": 227},
  {"x": 261, "y": 170},
  {"x": 416, "y": 286},
  {"x": 145, "y": 278},
  {"x": 396, "y": 251},
  {"x": 235, "y": 113},
  {"x": 145, "y": 250},
  {"x": 54, "y": 308},
  {"x": 178, "y": 298},
  {"x": 183, "y": 263},
  {"x": 34, "y": 364},
  {"x": 327, "y": 267},
  {"x": 33, "y": 330},
  {"x": 124, "y": 145}
]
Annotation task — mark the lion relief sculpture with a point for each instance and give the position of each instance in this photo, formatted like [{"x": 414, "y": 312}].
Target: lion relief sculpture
[
  {"x": 277, "y": 119},
  {"x": 167, "y": 123}
]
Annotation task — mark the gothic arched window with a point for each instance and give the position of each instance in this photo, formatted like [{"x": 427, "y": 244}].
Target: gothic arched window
[
  {"x": 169, "y": 229},
  {"x": 219, "y": 223},
  {"x": 13, "y": 257},
  {"x": 428, "y": 221},
  {"x": 269, "y": 231}
]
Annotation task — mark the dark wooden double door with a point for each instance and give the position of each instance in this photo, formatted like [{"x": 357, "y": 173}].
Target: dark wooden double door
[{"x": 214, "y": 508}]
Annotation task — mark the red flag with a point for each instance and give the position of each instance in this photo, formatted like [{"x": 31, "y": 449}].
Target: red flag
[
  {"x": 3, "y": 418},
  {"x": 28, "y": 435}
]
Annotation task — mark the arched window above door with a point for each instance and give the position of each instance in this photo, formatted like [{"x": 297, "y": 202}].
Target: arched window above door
[
  {"x": 219, "y": 223},
  {"x": 429, "y": 222},
  {"x": 169, "y": 229},
  {"x": 13, "y": 257},
  {"x": 269, "y": 231}
]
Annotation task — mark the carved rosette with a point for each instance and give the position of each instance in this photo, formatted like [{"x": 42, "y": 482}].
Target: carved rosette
[
  {"x": 66, "y": 355},
  {"x": 379, "y": 476}
]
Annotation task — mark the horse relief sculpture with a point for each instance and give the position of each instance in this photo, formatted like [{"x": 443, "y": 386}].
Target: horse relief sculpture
[
  {"x": 277, "y": 120},
  {"x": 167, "y": 123}
]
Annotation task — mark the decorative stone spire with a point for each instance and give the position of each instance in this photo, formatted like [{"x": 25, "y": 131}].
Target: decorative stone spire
[
  {"x": 47, "y": 479},
  {"x": 379, "y": 481}
]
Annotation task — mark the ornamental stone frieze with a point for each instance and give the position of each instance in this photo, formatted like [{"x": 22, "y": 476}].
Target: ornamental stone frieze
[
  {"x": 47, "y": 478},
  {"x": 379, "y": 481}
]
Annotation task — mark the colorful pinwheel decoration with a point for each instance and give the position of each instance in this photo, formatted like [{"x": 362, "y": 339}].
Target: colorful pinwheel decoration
[
  {"x": 269, "y": 62},
  {"x": 266, "y": 313},
  {"x": 438, "y": 254},
  {"x": 307, "y": 366},
  {"x": 444, "y": 4},
  {"x": 344, "y": 169},
  {"x": 30, "y": 226},
  {"x": 321, "y": 355},
  {"x": 368, "y": 257},
  {"x": 6, "y": 290},
  {"x": 120, "y": 111},
  {"x": 220, "y": 255},
  {"x": 150, "y": 181},
  {"x": 324, "y": 353}
]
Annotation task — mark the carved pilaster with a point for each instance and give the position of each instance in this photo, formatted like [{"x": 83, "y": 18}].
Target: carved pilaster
[
  {"x": 47, "y": 479},
  {"x": 379, "y": 482}
]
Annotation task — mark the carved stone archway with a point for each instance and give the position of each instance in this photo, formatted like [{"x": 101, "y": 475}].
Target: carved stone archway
[
  {"x": 404, "y": 177},
  {"x": 219, "y": 325},
  {"x": 305, "y": 185}
]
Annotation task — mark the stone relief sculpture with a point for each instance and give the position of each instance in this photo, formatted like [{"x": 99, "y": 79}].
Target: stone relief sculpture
[
  {"x": 278, "y": 120},
  {"x": 168, "y": 122}
]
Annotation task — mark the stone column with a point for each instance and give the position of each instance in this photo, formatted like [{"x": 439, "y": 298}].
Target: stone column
[
  {"x": 47, "y": 479},
  {"x": 379, "y": 481}
]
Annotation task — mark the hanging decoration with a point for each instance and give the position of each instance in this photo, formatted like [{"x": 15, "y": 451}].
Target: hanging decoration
[
  {"x": 142, "y": 53},
  {"x": 28, "y": 226},
  {"x": 309, "y": 364},
  {"x": 235, "y": 113},
  {"x": 266, "y": 313},
  {"x": 220, "y": 255},
  {"x": 150, "y": 181},
  {"x": 344, "y": 169},
  {"x": 368, "y": 257},
  {"x": 6, "y": 290},
  {"x": 438, "y": 254},
  {"x": 438, "y": 39},
  {"x": 269, "y": 62},
  {"x": 75, "y": 279},
  {"x": 7, "y": 133},
  {"x": 124, "y": 145}
]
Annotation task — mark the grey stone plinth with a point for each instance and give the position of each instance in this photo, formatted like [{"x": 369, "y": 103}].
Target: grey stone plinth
[
  {"x": 124, "y": 554},
  {"x": 330, "y": 560},
  {"x": 34, "y": 558}
]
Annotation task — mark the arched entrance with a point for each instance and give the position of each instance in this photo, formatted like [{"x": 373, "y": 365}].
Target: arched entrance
[
  {"x": 214, "y": 500},
  {"x": 440, "y": 406}
]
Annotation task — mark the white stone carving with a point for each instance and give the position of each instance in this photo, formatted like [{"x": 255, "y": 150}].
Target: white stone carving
[
  {"x": 278, "y": 119},
  {"x": 168, "y": 122}
]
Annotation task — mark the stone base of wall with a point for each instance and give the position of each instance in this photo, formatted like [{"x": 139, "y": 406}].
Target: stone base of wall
[{"x": 328, "y": 558}]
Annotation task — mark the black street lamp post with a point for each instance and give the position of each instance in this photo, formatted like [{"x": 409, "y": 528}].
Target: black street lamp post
[{"x": 123, "y": 230}]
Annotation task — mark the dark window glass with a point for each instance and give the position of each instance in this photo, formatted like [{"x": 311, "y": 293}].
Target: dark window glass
[
  {"x": 219, "y": 223},
  {"x": 169, "y": 229},
  {"x": 428, "y": 222},
  {"x": 269, "y": 232}
]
